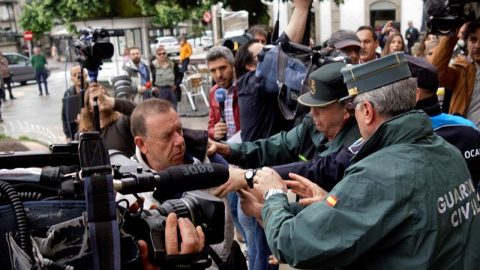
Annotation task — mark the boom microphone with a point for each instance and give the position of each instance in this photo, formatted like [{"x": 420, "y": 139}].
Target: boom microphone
[{"x": 174, "y": 179}]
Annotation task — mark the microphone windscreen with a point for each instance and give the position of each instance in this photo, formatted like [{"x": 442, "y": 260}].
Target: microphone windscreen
[
  {"x": 221, "y": 95},
  {"x": 182, "y": 178}
]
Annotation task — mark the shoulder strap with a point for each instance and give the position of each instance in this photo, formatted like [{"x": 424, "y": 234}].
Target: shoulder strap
[
  {"x": 282, "y": 60},
  {"x": 101, "y": 208},
  {"x": 215, "y": 256}
]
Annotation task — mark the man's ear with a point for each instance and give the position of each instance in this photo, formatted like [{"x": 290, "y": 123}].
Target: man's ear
[
  {"x": 140, "y": 143},
  {"x": 419, "y": 95},
  {"x": 368, "y": 112}
]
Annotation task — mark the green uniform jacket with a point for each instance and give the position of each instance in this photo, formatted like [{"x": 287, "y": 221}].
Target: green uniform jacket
[
  {"x": 303, "y": 142},
  {"x": 407, "y": 202}
]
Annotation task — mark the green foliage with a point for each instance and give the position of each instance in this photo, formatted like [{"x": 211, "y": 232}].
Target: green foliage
[
  {"x": 125, "y": 9},
  {"x": 198, "y": 12},
  {"x": 147, "y": 6},
  {"x": 34, "y": 20},
  {"x": 3, "y": 136},
  {"x": 170, "y": 16}
]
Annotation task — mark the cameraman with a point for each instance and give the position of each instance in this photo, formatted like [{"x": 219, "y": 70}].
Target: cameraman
[
  {"x": 161, "y": 142},
  {"x": 193, "y": 240},
  {"x": 461, "y": 75}
]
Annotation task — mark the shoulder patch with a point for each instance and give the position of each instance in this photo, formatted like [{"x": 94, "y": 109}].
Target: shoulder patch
[
  {"x": 331, "y": 200},
  {"x": 355, "y": 147}
]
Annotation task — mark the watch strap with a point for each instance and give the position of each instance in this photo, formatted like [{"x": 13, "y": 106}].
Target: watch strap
[{"x": 250, "y": 179}]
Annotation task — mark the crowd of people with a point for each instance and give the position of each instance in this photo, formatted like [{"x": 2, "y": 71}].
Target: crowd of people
[{"x": 385, "y": 175}]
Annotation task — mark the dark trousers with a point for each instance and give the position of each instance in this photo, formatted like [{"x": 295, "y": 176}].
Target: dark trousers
[
  {"x": 185, "y": 63},
  {"x": 41, "y": 74},
  {"x": 166, "y": 92},
  {"x": 8, "y": 82}
]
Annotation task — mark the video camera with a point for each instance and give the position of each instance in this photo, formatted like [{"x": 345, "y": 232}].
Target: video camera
[
  {"x": 447, "y": 15},
  {"x": 52, "y": 210},
  {"x": 92, "y": 46},
  {"x": 236, "y": 42}
]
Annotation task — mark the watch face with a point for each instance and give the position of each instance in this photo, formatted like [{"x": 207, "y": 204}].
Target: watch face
[{"x": 249, "y": 174}]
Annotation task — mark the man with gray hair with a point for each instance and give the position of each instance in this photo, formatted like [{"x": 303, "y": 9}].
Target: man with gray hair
[
  {"x": 406, "y": 202},
  {"x": 224, "y": 119}
]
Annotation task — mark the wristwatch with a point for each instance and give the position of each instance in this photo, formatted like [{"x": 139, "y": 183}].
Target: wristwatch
[
  {"x": 272, "y": 191},
  {"x": 249, "y": 174}
]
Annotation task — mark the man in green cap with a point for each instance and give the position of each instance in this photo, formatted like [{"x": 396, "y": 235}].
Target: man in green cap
[
  {"x": 328, "y": 128},
  {"x": 406, "y": 202}
]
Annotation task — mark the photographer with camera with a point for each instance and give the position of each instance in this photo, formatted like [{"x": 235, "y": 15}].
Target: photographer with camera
[
  {"x": 70, "y": 126},
  {"x": 114, "y": 116},
  {"x": 160, "y": 146},
  {"x": 461, "y": 75}
]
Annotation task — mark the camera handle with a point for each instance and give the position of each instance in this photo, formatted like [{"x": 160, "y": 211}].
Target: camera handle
[{"x": 100, "y": 197}]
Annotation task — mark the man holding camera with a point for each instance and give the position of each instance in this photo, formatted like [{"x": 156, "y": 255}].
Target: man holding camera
[
  {"x": 70, "y": 126},
  {"x": 161, "y": 142},
  {"x": 462, "y": 75}
]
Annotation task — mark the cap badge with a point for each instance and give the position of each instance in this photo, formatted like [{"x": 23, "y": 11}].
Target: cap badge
[
  {"x": 312, "y": 87},
  {"x": 353, "y": 91}
]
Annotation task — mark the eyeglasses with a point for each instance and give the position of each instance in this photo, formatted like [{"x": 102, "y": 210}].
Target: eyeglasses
[
  {"x": 162, "y": 53},
  {"x": 353, "y": 105}
]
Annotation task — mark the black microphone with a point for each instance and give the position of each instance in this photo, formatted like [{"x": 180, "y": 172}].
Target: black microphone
[
  {"x": 220, "y": 97},
  {"x": 174, "y": 179}
]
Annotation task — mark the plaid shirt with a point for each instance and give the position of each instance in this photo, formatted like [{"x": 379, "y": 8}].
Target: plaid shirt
[{"x": 229, "y": 118}]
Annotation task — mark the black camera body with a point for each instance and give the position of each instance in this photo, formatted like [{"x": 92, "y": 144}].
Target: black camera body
[
  {"x": 445, "y": 16},
  {"x": 63, "y": 192},
  {"x": 92, "y": 46},
  {"x": 201, "y": 208}
]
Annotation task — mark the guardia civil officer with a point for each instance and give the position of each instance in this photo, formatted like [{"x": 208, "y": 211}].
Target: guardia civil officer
[
  {"x": 406, "y": 202},
  {"x": 460, "y": 132}
]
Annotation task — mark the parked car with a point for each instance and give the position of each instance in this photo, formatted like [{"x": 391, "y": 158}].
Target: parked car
[
  {"x": 171, "y": 45},
  {"x": 21, "y": 67},
  {"x": 207, "y": 39}
]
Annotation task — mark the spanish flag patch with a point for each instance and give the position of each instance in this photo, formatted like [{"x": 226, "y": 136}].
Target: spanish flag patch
[{"x": 331, "y": 200}]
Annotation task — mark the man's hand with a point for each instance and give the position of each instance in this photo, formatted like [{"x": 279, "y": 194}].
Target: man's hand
[
  {"x": 220, "y": 130},
  {"x": 309, "y": 191},
  {"x": 251, "y": 205},
  {"x": 266, "y": 179},
  {"x": 236, "y": 181},
  {"x": 273, "y": 260},
  {"x": 211, "y": 147},
  {"x": 193, "y": 240},
  {"x": 387, "y": 27},
  {"x": 220, "y": 148}
]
